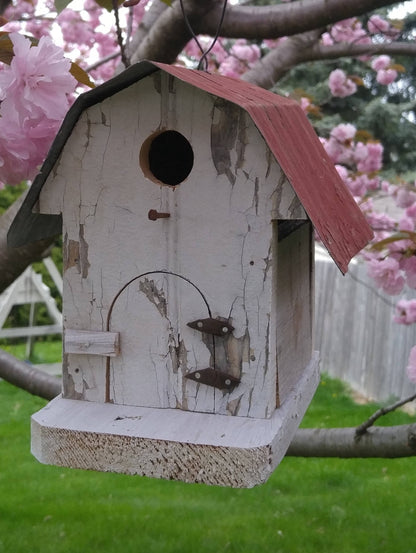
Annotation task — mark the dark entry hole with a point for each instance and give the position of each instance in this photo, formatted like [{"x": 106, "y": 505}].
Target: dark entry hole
[{"x": 170, "y": 157}]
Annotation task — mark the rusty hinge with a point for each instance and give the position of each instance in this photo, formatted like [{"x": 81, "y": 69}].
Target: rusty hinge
[
  {"x": 217, "y": 327},
  {"x": 215, "y": 378}
]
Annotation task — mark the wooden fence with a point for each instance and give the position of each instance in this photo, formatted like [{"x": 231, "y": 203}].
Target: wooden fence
[{"x": 355, "y": 333}]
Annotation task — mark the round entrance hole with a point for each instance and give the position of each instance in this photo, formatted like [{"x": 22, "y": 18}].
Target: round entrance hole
[{"x": 167, "y": 157}]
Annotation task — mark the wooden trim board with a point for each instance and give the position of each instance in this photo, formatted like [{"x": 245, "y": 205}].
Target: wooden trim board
[{"x": 170, "y": 443}]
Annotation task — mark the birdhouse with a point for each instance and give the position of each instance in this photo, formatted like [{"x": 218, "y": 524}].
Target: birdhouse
[{"x": 187, "y": 203}]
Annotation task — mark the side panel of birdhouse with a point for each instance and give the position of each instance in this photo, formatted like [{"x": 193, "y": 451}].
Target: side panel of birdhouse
[
  {"x": 144, "y": 280},
  {"x": 294, "y": 299}
]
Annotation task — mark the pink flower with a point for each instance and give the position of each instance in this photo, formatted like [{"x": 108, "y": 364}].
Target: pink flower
[
  {"x": 340, "y": 85},
  {"x": 380, "y": 62},
  {"x": 38, "y": 78},
  {"x": 380, "y": 221},
  {"x": 386, "y": 273},
  {"x": 33, "y": 90},
  {"x": 327, "y": 39},
  {"x": 411, "y": 367},
  {"x": 408, "y": 264},
  {"x": 411, "y": 211},
  {"x": 386, "y": 76},
  {"x": 369, "y": 157},
  {"x": 377, "y": 24},
  {"x": 348, "y": 30},
  {"x": 344, "y": 132},
  {"x": 405, "y": 197},
  {"x": 405, "y": 312},
  {"x": 249, "y": 53}
]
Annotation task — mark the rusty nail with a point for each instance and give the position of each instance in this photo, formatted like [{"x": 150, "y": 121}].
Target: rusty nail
[{"x": 154, "y": 215}]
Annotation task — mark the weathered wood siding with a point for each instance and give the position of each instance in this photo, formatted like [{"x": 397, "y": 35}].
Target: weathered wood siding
[
  {"x": 355, "y": 333},
  {"x": 219, "y": 237},
  {"x": 294, "y": 307}
]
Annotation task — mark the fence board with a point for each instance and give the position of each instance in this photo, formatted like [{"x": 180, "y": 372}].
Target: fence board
[{"x": 355, "y": 333}]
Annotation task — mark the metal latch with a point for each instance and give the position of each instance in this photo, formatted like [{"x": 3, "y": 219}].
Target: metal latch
[
  {"x": 217, "y": 327},
  {"x": 215, "y": 378}
]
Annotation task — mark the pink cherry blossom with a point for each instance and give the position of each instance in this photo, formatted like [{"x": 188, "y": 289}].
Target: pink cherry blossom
[
  {"x": 344, "y": 132},
  {"x": 386, "y": 273},
  {"x": 408, "y": 264},
  {"x": 327, "y": 39},
  {"x": 249, "y": 53},
  {"x": 348, "y": 30},
  {"x": 37, "y": 79},
  {"x": 411, "y": 211},
  {"x": 411, "y": 367},
  {"x": 386, "y": 76},
  {"x": 377, "y": 24},
  {"x": 380, "y": 62},
  {"x": 405, "y": 312},
  {"x": 380, "y": 221},
  {"x": 405, "y": 197},
  {"x": 369, "y": 157},
  {"x": 33, "y": 90},
  {"x": 340, "y": 85}
]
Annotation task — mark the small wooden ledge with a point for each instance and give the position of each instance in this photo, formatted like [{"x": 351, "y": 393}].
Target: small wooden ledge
[{"x": 169, "y": 443}]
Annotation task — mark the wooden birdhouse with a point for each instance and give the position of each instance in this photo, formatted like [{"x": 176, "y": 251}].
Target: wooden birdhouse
[{"x": 187, "y": 203}]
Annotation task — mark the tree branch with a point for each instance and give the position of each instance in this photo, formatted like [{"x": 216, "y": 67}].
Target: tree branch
[
  {"x": 14, "y": 261},
  {"x": 28, "y": 378},
  {"x": 320, "y": 52},
  {"x": 306, "y": 47},
  {"x": 274, "y": 65},
  {"x": 256, "y": 22},
  {"x": 362, "y": 429},
  {"x": 169, "y": 35},
  {"x": 379, "y": 441}
]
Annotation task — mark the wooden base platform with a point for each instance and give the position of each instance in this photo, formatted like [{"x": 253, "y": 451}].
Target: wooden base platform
[{"x": 170, "y": 443}]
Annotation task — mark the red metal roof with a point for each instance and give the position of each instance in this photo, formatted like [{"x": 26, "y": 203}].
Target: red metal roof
[{"x": 326, "y": 199}]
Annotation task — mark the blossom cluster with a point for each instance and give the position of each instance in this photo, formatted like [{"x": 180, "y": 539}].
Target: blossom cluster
[
  {"x": 356, "y": 162},
  {"x": 34, "y": 99}
]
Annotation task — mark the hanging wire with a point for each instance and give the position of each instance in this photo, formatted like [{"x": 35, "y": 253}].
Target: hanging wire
[{"x": 203, "y": 62}]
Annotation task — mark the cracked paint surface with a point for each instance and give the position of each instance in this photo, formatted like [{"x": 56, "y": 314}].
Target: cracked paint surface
[{"x": 219, "y": 236}]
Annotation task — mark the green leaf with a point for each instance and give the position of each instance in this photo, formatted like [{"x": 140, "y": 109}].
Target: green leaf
[
  {"x": 401, "y": 235},
  {"x": 167, "y": 2},
  {"x": 107, "y": 4},
  {"x": 80, "y": 75},
  {"x": 6, "y": 47},
  {"x": 60, "y": 5}
]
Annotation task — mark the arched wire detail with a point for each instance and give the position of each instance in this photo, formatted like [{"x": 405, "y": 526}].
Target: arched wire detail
[{"x": 110, "y": 311}]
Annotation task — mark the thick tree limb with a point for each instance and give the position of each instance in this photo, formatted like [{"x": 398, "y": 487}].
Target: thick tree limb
[
  {"x": 28, "y": 378},
  {"x": 256, "y": 22},
  {"x": 15, "y": 260},
  {"x": 274, "y": 65},
  {"x": 149, "y": 20},
  {"x": 379, "y": 441},
  {"x": 320, "y": 52},
  {"x": 169, "y": 35},
  {"x": 384, "y": 442},
  {"x": 306, "y": 47}
]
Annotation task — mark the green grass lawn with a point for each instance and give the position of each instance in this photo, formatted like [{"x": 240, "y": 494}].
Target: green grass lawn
[{"x": 308, "y": 505}]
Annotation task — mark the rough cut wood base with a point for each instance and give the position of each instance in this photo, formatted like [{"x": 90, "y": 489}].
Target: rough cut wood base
[{"x": 170, "y": 443}]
